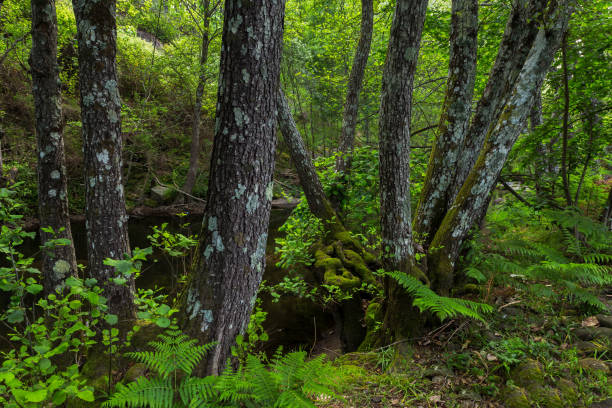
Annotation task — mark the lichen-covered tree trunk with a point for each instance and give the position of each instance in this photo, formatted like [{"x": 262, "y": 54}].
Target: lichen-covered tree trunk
[
  {"x": 473, "y": 196},
  {"x": 394, "y": 154},
  {"x": 105, "y": 215},
  {"x": 454, "y": 120},
  {"x": 351, "y": 104},
  {"x": 222, "y": 291},
  {"x": 194, "y": 152},
  {"x": 59, "y": 262},
  {"x": 520, "y": 31}
]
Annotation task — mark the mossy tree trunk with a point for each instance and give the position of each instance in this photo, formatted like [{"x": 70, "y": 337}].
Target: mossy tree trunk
[
  {"x": 519, "y": 34},
  {"x": 59, "y": 262},
  {"x": 105, "y": 215},
  {"x": 194, "y": 152},
  {"x": 340, "y": 259},
  {"x": 351, "y": 104},
  {"x": 394, "y": 156},
  {"x": 454, "y": 120},
  {"x": 221, "y": 294},
  {"x": 474, "y": 193}
]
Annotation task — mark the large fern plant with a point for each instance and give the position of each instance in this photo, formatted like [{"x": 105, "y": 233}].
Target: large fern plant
[
  {"x": 288, "y": 381},
  {"x": 172, "y": 360},
  {"x": 557, "y": 254}
]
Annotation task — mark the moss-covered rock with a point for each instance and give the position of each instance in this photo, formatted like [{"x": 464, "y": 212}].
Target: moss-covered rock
[
  {"x": 546, "y": 396},
  {"x": 515, "y": 397},
  {"x": 568, "y": 390},
  {"x": 528, "y": 374},
  {"x": 591, "y": 365}
]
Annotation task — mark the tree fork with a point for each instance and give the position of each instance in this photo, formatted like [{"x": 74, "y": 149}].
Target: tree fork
[{"x": 474, "y": 193}]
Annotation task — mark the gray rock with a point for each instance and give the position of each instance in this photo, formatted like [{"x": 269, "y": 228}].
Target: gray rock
[
  {"x": 590, "y": 333},
  {"x": 604, "y": 321},
  {"x": 162, "y": 194}
]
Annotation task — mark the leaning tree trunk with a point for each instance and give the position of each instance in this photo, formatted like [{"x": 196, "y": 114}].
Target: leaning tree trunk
[
  {"x": 105, "y": 215},
  {"x": 309, "y": 180},
  {"x": 351, "y": 105},
  {"x": 394, "y": 156},
  {"x": 454, "y": 120},
  {"x": 340, "y": 259},
  {"x": 566, "y": 108},
  {"x": 194, "y": 153},
  {"x": 222, "y": 291},
  {"x": 520, "y": 31},
  {"x": 473, "y": 196},
  {"x": 59, "y": 261}
]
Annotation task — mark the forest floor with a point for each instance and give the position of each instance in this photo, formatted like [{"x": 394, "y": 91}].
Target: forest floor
[{"x": 529, "y": 354}]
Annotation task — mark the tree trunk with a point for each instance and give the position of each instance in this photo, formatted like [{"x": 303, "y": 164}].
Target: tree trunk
[
  {"x": 454, "y": 120},
  {"x": 221, "y": 294},
  {"x": 565, "y": 138},
  {"x": 606, "y": 214},
  {"x": 394, "y": 156},
  {"x": 473, "y": 195},
  {"x": 521, "y": 30},
  {"x": 58, "y": 262},
  {"x": 106, "y": 219},
  {"x": 194, "y": 154},
  {"x": 351, "y": 105},
  {"x": 309, "y": 180}
]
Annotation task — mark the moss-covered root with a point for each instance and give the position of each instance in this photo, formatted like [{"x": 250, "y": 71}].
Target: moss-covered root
[{"x": 344, "y": 262}]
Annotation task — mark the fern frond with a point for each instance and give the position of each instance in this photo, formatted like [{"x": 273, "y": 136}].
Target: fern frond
[
  {"x": 443, "y": 307},
  {"x": 174, "y": 351},
  {"x": 144, "y": 392}
]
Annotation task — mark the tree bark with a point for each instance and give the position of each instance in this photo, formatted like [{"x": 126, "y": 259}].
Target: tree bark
[
  {"x": 309, "y": 180},
  {"x": 565, "y": 133},
  {"x": 222, "y": 291},
  {"x": 606, "y": 214},
  {"x": 520, "y": 32},
  {"x": 394, "y": 155},
  {"x": 474, "y": 193},
  {"x": 194, "y": 153},
  {"x": 105, "y": 215},
  {"x": 351, "y": 105},
  {"x": 454, "y": 120},
  {"x": 58, "y": 262}
]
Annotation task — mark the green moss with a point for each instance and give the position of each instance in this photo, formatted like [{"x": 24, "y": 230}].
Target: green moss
[
  {"x": 373, "y": 315},
  {"x": 369, "y": 259},
  {"x": 528, "y": 374},
  {"x": 515, "y": 397},
  {"x": 343, "y": 279},
  {"x": 356, "y": 262},
  {"x": 348, "y": 241},
  {"x": 568, "y": 390}
]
